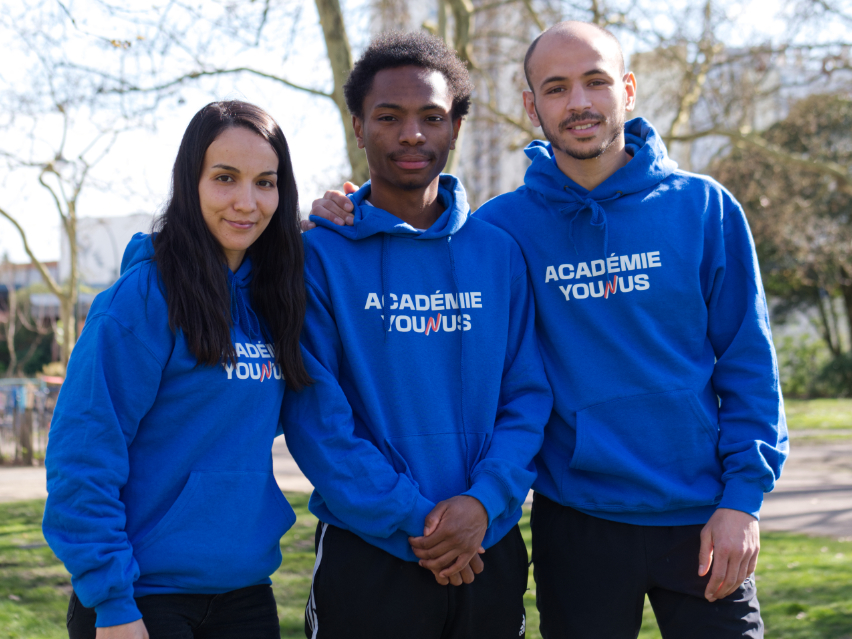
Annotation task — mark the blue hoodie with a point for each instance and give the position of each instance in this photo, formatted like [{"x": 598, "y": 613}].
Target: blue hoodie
[
  {"x": 655, "y": 338},
  {"x": 437, "y": 392},
  {"x": 159, "y": 471}
]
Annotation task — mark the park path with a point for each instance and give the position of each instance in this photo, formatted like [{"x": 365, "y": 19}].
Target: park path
[{"x": 813, "y": 496}]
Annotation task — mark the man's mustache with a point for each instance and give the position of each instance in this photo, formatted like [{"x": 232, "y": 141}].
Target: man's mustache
[{"x": 588, "y": 115}]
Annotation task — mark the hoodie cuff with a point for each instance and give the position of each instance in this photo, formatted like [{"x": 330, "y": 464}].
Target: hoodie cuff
[
  {"x": 491, "y": 493},
  {"x": 118, "y": 611},
  {"x": 742, "y": 495},
  {"x": 416, "y": 520}
]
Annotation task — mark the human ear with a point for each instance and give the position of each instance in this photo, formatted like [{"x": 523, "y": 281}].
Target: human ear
[
  {"x": 456, "y": 129},
  {"x": 630, "y": 89},
  {"x": 529, "y": 107},
  {"x": 358, "y": 127}
]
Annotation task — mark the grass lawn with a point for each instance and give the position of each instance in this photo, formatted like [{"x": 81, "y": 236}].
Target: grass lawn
[
  {"x": 804, "y": 582},
  {"x": 819, "y": 421}
]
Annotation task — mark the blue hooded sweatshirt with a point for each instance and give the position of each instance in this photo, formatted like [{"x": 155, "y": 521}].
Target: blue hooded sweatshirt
[
  {"x": 159, "y": 471},
  {"x": 428, "y": 379},
  {"x": 655, "y": 338}
]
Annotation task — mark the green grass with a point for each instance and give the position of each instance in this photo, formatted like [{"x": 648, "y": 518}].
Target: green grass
[
  {"x": 803, "y": 582},
  {"x": 819, "y": 414},
  {"x": 819, "y": 421}
]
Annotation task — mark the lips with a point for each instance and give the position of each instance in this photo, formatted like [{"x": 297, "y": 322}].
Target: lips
[
  {"x": 239, "y": 224},
  {"x": 411, "y": 161},
  {"x": 584, "y": 126}
]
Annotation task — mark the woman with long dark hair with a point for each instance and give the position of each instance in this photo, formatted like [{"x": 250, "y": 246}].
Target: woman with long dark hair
[{"x": 162, "y": 503}]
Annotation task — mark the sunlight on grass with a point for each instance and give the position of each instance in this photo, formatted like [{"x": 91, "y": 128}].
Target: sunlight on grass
[
  {"x": 803, "y": 582},
  {"x": 818, "y": 413}
]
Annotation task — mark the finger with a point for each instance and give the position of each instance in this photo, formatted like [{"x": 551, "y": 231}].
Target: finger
[
  {"x": 732, "y": 577},
  {"x": 456, "y": 579},
  {"x": 467, "y": 575},
  {"x": 476, "y": 564},
  {"x": 443, "y": 581},
  {"x": 424, "y": 547},
  {"x": 442, "y": 562},
  {"x": 339, "y": 200},
  {"x": 460, "y": 562},
  {"x": 349, "y": 187},
  {"x": 705, "y": 553},
  {"x": 717, "y": 578},
  {"x": 329, "y": 210},
  {"x": 306, "y": 225},
  {"x": 434, "y": 518},
  {"x": 752, "y": 563}
]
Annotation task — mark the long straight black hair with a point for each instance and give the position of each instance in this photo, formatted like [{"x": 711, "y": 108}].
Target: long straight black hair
[{"x": 192, "y": 263}]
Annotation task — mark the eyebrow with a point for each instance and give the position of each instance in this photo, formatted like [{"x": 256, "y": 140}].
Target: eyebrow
[
  {"x": 560, "y": 78},
  {"x": 389, "y": 105},
  {"x": 236, "y": 170}
]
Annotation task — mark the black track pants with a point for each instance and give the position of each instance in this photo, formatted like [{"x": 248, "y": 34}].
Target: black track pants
[
  {"x": 592, "y": 576},
  {"x": 240, "y": 614},
  {"x": 360, "y": 591}
]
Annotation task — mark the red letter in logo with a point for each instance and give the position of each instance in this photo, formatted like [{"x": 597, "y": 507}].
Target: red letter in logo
[
  {"x": 611, "y": 288},
  {"x": 434, "y": 324}
]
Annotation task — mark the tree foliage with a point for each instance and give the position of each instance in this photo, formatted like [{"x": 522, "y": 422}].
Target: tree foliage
[{"x": 801, "y": 217}]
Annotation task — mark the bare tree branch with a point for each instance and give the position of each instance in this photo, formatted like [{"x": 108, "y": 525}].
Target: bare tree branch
[
  {"x": 748, "y": 139},
  {"x": 194, "y": 75},
  {"x": 45, "y": 274}
]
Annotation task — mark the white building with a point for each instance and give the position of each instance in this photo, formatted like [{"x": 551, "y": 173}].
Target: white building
[{"x": 100, "y": 246}]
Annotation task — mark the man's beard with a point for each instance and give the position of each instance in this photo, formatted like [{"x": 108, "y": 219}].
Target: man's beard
[{"x": 589, "y": 154}]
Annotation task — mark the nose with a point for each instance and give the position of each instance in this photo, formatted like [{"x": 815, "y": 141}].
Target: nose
[
  {"x": 245, "y": 200},
  {"x": 578, "y": 98},
  {"x": 410, "y": 133}
]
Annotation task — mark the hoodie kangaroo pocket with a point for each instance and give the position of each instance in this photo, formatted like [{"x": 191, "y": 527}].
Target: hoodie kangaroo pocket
[
  {"x": 644, "y": 453},
  {"x": 222, "y": 533},
  {"x": 437, "y": 462}
]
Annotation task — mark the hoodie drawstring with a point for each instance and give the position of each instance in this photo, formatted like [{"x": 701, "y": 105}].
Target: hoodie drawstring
[
  {"x": 598, "y": 215},
  {"x": 461, "y": 364},
  {"x": 385, "y": 285}
]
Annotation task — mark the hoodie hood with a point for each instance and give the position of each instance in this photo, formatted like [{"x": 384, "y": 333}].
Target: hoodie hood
[
  {"x": 141, "y": 249},
  {"x": 650, "y": 166},
  {"x": 370, "y": 220}
]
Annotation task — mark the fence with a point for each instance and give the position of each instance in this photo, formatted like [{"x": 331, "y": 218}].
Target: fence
[{"x": 26, "y": 408}]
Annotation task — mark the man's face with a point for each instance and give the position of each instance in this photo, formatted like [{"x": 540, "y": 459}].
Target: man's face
[
  {"x": 580, "y": 92},
  {"x": 407, "y": 129}
]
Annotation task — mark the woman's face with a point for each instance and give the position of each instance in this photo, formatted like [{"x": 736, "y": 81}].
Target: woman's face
[{"x": 238, "y": 190}]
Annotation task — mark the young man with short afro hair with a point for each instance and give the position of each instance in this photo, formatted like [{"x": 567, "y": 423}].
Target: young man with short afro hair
[{"x": 430, "y": 397}]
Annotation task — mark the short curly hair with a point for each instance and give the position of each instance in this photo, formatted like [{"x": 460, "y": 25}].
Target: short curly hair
[{"x": 419, "y": 49}]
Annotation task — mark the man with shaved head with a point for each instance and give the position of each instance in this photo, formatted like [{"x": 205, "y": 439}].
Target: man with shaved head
[{"x": 668, "y": 423}]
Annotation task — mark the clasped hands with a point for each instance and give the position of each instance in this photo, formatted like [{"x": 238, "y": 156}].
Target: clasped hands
[{"x": 451, "y": 544}]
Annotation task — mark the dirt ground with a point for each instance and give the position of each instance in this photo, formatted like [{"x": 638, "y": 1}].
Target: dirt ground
[{"x": 813, "y": 496}]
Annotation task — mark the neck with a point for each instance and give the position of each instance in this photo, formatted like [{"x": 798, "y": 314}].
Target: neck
[
  {"x": 417, "y": 207},
  {"x": 234, "y": 259},
  {"x": 594, "y": 171}
]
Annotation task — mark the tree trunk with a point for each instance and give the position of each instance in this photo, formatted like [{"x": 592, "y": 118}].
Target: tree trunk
[
  {"x": 340, "y": 58},
  {"x": 826, "y": 324},
  {"x": 26, "y": 433},
  {"x": 846, "y": 290},
  {"x": 69, "y": 326},
  {"x": 13, "y": 320}
]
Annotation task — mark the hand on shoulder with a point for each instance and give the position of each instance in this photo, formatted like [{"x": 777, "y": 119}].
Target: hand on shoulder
[{"x": 334, "y": 206}]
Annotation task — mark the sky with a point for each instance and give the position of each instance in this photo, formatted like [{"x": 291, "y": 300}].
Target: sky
[{"x": 134, "y": 177}]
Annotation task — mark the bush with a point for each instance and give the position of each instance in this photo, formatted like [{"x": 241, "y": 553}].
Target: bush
[{"x": 808, "y": 369}]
